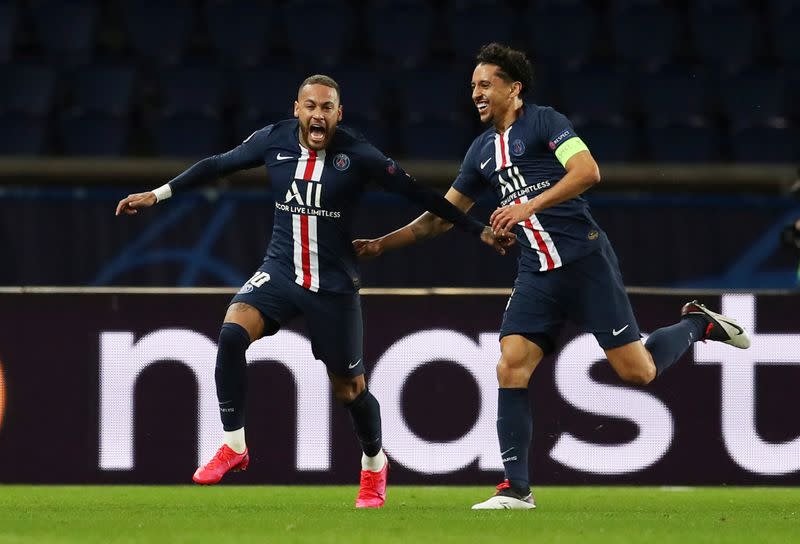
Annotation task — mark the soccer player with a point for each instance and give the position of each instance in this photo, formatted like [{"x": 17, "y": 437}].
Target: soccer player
[
  {"x": 318, "y": 170},
  {"x": 537, "y": 166}
]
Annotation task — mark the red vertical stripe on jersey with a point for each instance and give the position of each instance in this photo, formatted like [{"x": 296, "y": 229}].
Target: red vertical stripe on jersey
[
  {"x": 306, "y": 255},
  {"x": 312, "y": 159},
  {"x": 503, "y": 150},
  {"x": 540, "y": 242}
]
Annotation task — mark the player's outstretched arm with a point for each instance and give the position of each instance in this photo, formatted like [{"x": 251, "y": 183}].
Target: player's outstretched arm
[
  {"x": 582, "y": 173},
  {"x": 246, "y": 155},
  {"x": 424, "y": 227}
]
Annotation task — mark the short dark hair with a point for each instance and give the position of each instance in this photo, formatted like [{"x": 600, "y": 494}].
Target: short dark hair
[
  {"x": 321, "y": 79},
  {"x": 514, "y": 65}
]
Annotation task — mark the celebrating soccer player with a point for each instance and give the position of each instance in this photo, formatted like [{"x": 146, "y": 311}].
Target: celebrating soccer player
[
  {"x": 318, "y": 170},
  {"x": 538, "y": 167}
]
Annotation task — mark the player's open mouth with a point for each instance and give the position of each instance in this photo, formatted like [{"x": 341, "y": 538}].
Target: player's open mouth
[
  {"x": 482, "y": 105},
  {"x": 316, "y": 133}
]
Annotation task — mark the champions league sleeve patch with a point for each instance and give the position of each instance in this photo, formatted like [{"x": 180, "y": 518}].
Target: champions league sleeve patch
[{"x": 391, "y": 167}]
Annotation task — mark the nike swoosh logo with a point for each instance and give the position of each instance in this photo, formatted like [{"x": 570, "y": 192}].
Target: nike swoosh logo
[
  {"x": 502, "y": 453},
  {"x": 734, "y": 325},
  {"x": 484, "y": 163},
  {"x": 283, "y": 158},
  {"x": 354, "y": 364},
  {"x": 616, "y": 332}
]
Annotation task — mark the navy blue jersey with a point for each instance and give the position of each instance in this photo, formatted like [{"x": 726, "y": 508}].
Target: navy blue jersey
[
  {"x": 315, "y": 193},
  {"x": 525, "y": 160}
]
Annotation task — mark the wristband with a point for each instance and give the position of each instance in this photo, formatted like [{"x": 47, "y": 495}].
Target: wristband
[{"x": 163, "y": 192}]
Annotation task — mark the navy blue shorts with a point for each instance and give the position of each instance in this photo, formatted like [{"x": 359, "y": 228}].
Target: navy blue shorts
[
  {"x": 333, "y": 320},
  {"x": 588, "y": 292}
]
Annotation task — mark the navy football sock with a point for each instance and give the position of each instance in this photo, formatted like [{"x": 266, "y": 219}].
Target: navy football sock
[
  {"x": 668, "y": 344},
  {"x": 514, "y": 431},
  {"x": 231, "y": 375},
  {"x": 366, "y": 415}
]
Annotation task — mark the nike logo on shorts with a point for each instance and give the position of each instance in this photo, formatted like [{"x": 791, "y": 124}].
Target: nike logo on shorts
[
  {"x": 351, "y": 366},
  {"x": 616, "y": 332}
]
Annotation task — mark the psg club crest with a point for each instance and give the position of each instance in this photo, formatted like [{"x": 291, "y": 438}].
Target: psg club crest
[
  {"x": 341, "y": 162},
  {"x": 517, "y": 147}
]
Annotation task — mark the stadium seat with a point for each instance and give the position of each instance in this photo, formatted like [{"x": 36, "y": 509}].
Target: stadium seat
[
  {"x": 791, "y": 89},
  {"x": 103, "y": 89},
  {"x": 65, "y": 29},
  {"x": 92, "y": 135},
  {"x": 609, "y": 140},
  {"x": 433, "y": 93},
  {"x": 473, "y": 23},
  {"x": 267, "y": 96},
  {"x": 361, "y": 93},
  {"x": 22, "y": 135},
  {"x": 240, "y": 30},
  {"x": 752, "y": 96},
  {"x": 8, "y": 22},
  {"x": 777, "y": 142},
  {"x": 158, "y": 31},
  {"x": 724, "y": 32},
  {"x": 27, "y": 89},
  {"x": 192, "y": 90},
  {"x": 674, "y": 92},
  {"x": 644, "y": 31},
  {"x": 435, "y": 139},
  {"x": 784, "y": 20},
  {"x": 560, "y": 30},
  {"x": 333, "y": 25},
  {"x": 404, "y": 44},
  {"x": 596, "y": 92},
  {"x": 193, "y": 136},
  {"x": 676, "y": 141}
]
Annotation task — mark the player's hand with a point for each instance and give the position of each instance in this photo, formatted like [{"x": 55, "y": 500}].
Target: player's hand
[
  {"x": 132, "y": 203},
  {"x": 503, "y": 219},
  {"x": 497, "y": 242},
  {"x": 367, "y": 249}
]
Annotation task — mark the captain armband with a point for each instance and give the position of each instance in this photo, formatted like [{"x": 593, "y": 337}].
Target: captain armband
[
  {"x": 569, "y": 149},
  {"x": 163, "y": 192}
]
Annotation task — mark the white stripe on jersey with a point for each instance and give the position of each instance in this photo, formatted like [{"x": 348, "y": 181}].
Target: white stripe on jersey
[
  {"x": 546, "y": 238},
  {"x": 298, "y": 249},
  {"x": 501, "y": 150},
  {"x": 532, "y": 239},
  {"x": 313, "y": 195},
  {"x": 313, "y": 250},
  {"x": 548, "y": 241}
]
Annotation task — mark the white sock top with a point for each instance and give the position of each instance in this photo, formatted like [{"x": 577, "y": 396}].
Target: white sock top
[
  {"x": 235, "y": 440},
  {"x": 373, "y": 464}
]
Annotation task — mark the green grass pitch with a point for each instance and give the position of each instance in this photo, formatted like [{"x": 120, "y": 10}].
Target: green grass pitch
[{"x": 425, "y": 515}]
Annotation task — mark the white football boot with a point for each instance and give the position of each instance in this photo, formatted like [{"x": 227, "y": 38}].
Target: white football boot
[
  {"x": 720, "y": 328},
  {"x": 506, "y": 499}
]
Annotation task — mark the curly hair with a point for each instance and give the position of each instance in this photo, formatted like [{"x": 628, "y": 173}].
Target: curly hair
[{"x": 514, "y": 65}]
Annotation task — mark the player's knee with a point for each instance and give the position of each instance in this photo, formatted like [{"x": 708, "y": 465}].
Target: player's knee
[
  {"x": 638, "y": 374},
  {"x": 233, "y": 337},
  {"x": 514, "y": 368},
  {"x": 347, "y": 390}
]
